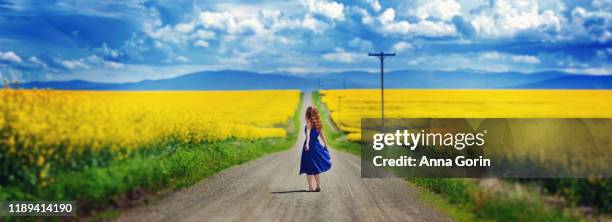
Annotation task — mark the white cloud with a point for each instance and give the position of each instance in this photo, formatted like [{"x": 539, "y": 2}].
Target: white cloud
[
  {"x": 237, "y": 60},
  {"x": 258, "y": 32},
  {"x": 366, "y": 18},
  {"x": 313, "y": 24},
  {"x": 389, "y": 25},
  {"x": 581, "y": 25},
  {"x": 204, "y": 34},
  {"x": 35, "y": 61},
  {"x": 182, "y": 59},
  {"x": 341, "y": 56},
  {"x": 491, "y": 56},
  {"x": 439, "y": 9},
  {"x": 164, "y": 34},
  {"x": 602, "y": 4},
  {"x": 433, "y": 29},
  {"x": 10, "y": 56},
  {"x": 387, "y": 20},
  {"x": 387, "y": 16},
  {"x": 506, "y": 18},
  {"x": 185, "y": 27},
  {"x": 361, "y": 44},
  {"x": 330, "y": 9},
  {"x": 401, "y": 46},
  {"x": 201, "y": 43},
  {"x": 113, "y": 65},
  {"x": 74, "y": 64},
  {"x": 218, "y": 20},
  {"x": 231, "y": 23},
  {"x": 105, "y": 50},
  {"x": 89, "y": 62},
  {"x": 527, "y": 59},
  {"x": 276, "y": 21},
  {"x": 374, "y": 4},
  {"x": 235, "y": 24},
  {"x": 265, "y": 23},
  {"x": 597, "y": 71},
  {"x": 92, "y": 59}
]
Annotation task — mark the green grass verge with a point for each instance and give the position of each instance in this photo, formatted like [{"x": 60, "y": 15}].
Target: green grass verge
[
  {"x": 460, "y": 199},
  {"x": 336, "y": 138},
  {"x": 443, "y": 204},
  {"x": 486, "y": 205},
  {"x": 173, "y": 166}
]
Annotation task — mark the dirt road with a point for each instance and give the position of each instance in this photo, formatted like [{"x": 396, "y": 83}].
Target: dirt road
[{"x": 270, "y": 189}]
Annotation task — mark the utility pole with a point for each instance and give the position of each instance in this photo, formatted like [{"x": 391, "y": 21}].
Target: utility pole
[{"x": 382, "y": 56}]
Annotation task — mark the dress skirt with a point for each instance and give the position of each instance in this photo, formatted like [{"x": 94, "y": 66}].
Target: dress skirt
[{"x": 316, "y": 159}]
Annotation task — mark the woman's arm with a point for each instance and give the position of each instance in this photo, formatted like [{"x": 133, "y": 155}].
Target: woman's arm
[
  {"x": 307, "y": 136},
  {"x": 323, "y": 137}
]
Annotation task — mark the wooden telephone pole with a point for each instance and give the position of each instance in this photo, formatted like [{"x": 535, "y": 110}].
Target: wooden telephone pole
[{"x": 382, "y": 56}]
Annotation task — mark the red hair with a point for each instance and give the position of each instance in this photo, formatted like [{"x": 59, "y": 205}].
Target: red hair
[{"x": 312, "y": 115}]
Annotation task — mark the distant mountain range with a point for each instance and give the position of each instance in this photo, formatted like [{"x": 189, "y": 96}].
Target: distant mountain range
[{"x": 417, "y": 79}]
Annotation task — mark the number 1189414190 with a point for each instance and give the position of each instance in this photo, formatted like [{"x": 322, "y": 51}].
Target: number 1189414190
[{"x": 38, "y": 208}]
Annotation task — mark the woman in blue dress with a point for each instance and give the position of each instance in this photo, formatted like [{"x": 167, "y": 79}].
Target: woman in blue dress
[{"x": 315, "y": 157}]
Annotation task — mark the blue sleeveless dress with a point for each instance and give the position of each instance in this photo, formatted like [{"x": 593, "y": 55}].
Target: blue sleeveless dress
[{"x": 316, "y": 160}]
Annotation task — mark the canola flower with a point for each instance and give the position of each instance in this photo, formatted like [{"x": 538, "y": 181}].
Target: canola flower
[
  {"x": 41, "y": 128},
  {"x": 347, "y": 107}
]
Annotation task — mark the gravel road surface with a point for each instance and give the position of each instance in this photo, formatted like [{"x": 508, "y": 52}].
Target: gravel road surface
[{"x": 270, "y": 189}]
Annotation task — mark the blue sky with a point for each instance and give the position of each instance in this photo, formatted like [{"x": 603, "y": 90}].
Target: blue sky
[{"x": 134, "y": 40}]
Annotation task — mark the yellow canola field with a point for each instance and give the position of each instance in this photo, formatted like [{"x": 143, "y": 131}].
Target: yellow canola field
[
  {"x": 40, "y": 124},
  {"x": 349, "y": 106}
]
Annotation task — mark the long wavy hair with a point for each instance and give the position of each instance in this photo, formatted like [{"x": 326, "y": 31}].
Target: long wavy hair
[{"x": 312, "y": 115}]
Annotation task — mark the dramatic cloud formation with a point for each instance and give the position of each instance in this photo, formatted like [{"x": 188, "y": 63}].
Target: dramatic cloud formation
[
  {"x": 134, "y": 40},
  {"x": 507, "y": 18}
]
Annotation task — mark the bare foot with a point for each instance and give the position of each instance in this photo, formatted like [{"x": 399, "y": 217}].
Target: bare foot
[{"x": 318, "y": 189}]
